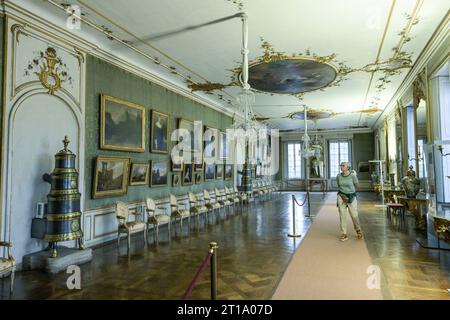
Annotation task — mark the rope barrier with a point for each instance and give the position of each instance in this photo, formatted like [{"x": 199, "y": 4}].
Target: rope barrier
[
  {"x": 210, "y": 257},
  {"x": 304, "y": 200},
  {"x": 197, "y": 276}
]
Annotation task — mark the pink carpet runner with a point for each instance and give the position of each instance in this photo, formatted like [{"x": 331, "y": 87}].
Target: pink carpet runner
[{"x": 325, "y": 268}]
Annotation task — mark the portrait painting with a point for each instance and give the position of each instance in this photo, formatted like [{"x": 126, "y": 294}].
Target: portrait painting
[
  {"x": 176, "y": 179},
  {"x": 122, "y": 125},
  {"x": 211, "y": 144},
  {"x": 159, "y": 175},
  {"x": 110, "y": 176},
  {"x": 223, "y": 145},
  {"x": 159, "y": 136},
  {"x": 209, "y": 171},
  {"x": 219, "y": 171},
  {"x": 198, "y": 178},
  {"x": 188, "y": 174},
  {"x": 139, "y": 174},
  {"x": 189, "y": 133},
  {"x": 228, "y": 171}
]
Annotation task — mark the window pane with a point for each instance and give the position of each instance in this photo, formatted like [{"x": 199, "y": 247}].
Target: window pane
[{"x": 294, "y": 161}]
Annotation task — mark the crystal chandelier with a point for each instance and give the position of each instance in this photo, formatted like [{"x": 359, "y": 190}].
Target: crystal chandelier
[
  {"x": 244, "y": 117},
  {"x": 306, "y": 151}
]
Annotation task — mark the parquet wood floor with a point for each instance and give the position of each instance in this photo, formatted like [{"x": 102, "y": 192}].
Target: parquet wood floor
[{"x": 253, "y": 254}]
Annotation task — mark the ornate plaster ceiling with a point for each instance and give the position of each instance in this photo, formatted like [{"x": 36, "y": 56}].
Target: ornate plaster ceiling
[{"x": 346, "y": 58}]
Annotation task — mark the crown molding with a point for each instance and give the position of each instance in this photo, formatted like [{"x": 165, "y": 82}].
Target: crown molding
[
  {"x": 440, "y": 35},
  {"x": 59, "y": 33},
  {"x": 311, "y": 133}
]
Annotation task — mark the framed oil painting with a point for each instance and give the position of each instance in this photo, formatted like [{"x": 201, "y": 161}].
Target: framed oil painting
[
  {"x": 223, "y": 145},
  {"x": 177, "y": 165},
  {"x": 139, "y": 174},
  {"x": 219, "y": 171},
  {"x": 188, "y": 174},
  {"x": 122, "y": 125},
  {"x": 160, "y": 171},
  {"x": 176, "y": 179},
  {"x": 198, "y": 166},
  {"x": 110, "y": 176},
  {"x": 209, "y": 171},
  {"x": 211, "y": 144},
  {"x": 198, "y": 177},
  {"x": 159, "y": 133},
  {"x": 189, "y": 126},
  {"x": 228, "y": 171}
]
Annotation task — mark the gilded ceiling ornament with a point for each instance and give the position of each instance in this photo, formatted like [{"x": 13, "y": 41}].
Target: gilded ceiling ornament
[
  {"x": 206, "y": 87},
  {"x": 239, "y": 3},
  {"x": 50, "y": 69},
  {"x": 419, "y": 87},
  {"x": 311, "y": 114}
]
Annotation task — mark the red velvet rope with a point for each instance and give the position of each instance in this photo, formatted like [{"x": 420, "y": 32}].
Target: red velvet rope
[{"x": 196, "y": 277}]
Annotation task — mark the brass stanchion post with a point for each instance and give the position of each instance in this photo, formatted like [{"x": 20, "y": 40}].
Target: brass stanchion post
[
  {"x": 213, "y": 250},
  {"x": 293, "y": 234}
]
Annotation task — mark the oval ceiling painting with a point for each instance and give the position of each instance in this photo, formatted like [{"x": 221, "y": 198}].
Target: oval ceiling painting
[
  {"x": 310, "y": 115},
  {"x": 291, "y": 76}
]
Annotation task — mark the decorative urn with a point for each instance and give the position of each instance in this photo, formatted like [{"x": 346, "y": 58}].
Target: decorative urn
[{"x": 410, "y": 183}]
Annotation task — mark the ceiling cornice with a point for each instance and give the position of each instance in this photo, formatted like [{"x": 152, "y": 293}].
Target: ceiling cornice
[
  {"x": 440, "y": 35},
  {"x": 43, "y": 25},
  {"x": 296, "y": 134}
]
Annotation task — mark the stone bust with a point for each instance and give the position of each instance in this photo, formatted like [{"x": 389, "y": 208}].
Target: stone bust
[{"x": 410, "y": 183}]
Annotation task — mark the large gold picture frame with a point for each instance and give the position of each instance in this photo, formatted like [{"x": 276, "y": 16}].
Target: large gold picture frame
[
  {"x": 159, "y": 132},
  {"x": 122, "y": 125},
  {"x": 110, "y": 176}
]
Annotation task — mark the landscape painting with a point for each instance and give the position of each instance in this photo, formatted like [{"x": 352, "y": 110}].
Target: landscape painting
[
  {"x": 160, "y": 171},
  {"x": 228, "y": 171},
  {"x": 122, "y": 125},
  {"x": 209, "y": 171},
  {"x": 139, "y": 174},
  {"x": 110, "y": 176}
]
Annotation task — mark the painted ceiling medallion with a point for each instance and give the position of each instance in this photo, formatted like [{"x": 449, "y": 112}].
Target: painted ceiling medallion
[
  {"x": 291, "y": 76},
  {"x": 277, "y": 73},
  {"x": 311, "y": 115}
]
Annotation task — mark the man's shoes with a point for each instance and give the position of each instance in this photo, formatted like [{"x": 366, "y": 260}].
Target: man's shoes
[
  {"x": 343, "y": 237},
  {"x": 359, "y": 234}
]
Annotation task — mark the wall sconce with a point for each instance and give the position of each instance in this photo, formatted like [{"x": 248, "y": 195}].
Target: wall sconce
[
  {"x": 419, "y": 156},
  {"x": 441, "y": 149}
]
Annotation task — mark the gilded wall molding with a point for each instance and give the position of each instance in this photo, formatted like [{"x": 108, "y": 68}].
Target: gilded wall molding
[
  {"x": 437, "y": 39},
  {"x": 56, "y": 32}
]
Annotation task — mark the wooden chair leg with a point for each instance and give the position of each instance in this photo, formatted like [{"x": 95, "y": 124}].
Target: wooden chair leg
[
  {"x": 13, "y": 271},
  {"x": 168, "y": 228}
]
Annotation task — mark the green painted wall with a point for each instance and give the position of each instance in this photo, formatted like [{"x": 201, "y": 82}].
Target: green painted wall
[
  {"x": 2, "y": 39},
  {"x": 103, "y": 77},
  {"x": 363, "y": 150}
]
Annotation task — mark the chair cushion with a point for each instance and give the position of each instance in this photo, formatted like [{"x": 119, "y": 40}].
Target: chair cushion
[
  {"x": 6, "y": 264},
  {"x": 199, "y": 209},
  {"x": 212, "y": 206},
  {"x": 158, "y": 219},
  {"x": 133, "y": 226},
  {"x": 181, "y": 213}
]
